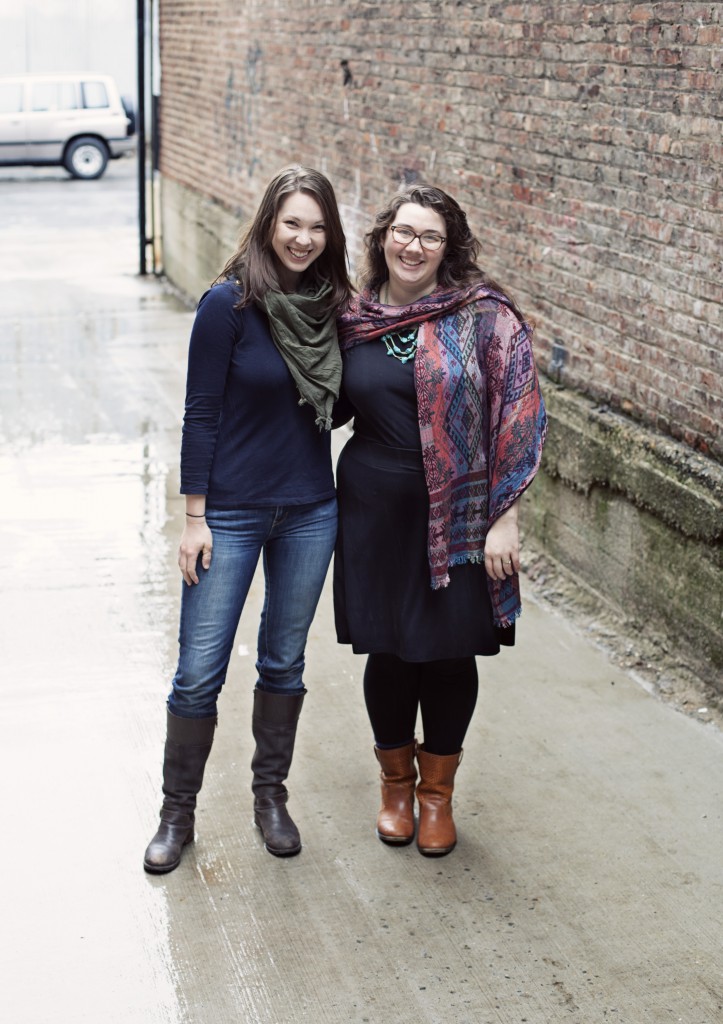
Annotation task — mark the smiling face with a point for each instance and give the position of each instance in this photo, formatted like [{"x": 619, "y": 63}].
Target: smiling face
[
  {"x": 298, "y": 237},
  {"x": 413, "y": 270}
]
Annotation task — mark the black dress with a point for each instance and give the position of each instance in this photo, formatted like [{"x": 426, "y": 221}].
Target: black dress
[{"x": 383, "y": 599}]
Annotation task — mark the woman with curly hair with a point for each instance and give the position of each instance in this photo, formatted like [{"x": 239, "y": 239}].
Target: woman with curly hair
[{"x": 449, "y": 425}]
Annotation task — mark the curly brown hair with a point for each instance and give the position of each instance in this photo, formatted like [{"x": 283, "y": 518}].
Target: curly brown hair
[{"x": 459, "y": 267}]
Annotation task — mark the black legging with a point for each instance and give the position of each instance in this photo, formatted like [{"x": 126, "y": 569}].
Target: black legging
[{"x": 446, "y": 692}]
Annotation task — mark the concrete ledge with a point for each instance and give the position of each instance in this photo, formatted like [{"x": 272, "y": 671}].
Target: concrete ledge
[
  {"x": 640, "y": 519},
  {"x": 199, "y": 235},
  {"x": 593, "y": 446}
]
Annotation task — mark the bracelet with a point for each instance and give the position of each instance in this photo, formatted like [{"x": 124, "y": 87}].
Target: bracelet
[{"x": 193, "y": 516}]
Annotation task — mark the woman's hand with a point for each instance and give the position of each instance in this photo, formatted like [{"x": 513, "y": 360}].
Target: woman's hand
[
  {"x": 196, "y": 540},
  {"x": 502, "y": 547}
]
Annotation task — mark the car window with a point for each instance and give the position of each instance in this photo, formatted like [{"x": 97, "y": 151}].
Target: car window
[
  {"x": 95, "y": 95},
  {"x": 11, "y": 98},
  {"x": 53, "y": 96}
]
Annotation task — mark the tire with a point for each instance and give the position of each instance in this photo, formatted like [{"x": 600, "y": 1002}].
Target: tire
[{"x": 86, "y": 158}]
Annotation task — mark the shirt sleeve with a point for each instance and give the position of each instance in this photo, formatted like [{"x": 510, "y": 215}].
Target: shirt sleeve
[
  {"x": 215, "y": 332},
  {"x": 343, "y": 410}
]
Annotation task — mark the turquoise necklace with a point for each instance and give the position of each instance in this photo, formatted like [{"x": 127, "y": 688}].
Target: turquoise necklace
[
  {"x": 395, "y": 342},
  {"x": 401, "y": 345}
]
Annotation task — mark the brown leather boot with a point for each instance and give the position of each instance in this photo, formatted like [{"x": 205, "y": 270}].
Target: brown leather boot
[
  {"x": 437, "y": 834},
  {"x": 395, "y": 821},
  {"x": 188, "y": 744},
  {"x": 274, "y": 722}
]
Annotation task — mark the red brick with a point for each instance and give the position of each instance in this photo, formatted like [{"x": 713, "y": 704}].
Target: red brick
[{"x": 581, "y": 139}]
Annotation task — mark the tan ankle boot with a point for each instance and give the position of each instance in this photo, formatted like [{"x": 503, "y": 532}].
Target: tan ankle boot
[
  {"x": 395, "y": 821},
  {"x": 437, "y": 834}
]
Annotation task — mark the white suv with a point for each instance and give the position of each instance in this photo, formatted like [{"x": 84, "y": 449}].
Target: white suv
[{"x": 78, "y": 121}]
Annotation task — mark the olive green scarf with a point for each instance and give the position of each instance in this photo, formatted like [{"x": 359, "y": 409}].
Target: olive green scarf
[{"x": 304, "y": 332}]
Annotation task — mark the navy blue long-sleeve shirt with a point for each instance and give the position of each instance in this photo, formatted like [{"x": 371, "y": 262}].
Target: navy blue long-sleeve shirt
[{"x": 246, "y": 440}]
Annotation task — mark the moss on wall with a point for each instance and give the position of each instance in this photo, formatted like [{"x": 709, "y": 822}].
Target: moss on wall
[{"x": 640, "y": 519}]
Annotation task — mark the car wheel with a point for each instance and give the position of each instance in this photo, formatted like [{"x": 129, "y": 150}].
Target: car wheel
[{"x": 86, "y": 158}]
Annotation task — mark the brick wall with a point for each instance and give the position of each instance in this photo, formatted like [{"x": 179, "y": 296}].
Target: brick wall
[{"x": 584, "y": 140}]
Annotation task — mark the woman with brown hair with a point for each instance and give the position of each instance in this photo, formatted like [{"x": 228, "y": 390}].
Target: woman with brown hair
[
  {"x": 264, "y": 371},
  {"x": 449, "y": 425}
]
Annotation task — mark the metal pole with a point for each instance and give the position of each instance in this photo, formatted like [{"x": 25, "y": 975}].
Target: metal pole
[
  {"x": 141, "y": 129},
  {"x": 154, "y": 130}
]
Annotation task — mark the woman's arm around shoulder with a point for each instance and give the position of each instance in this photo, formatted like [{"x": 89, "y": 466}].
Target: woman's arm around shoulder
[{"x": 343, "y": 410}]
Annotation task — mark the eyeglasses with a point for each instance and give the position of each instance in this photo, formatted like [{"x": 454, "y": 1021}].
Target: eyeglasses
[{"x": 429, "y": 240}]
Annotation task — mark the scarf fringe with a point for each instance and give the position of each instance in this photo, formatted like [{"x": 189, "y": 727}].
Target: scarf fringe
[
  {"x": 508, "y": 620},
  {"x": 443, "y": 581}
]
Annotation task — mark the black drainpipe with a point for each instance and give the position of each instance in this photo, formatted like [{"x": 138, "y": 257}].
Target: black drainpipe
[{"x": 141, "y": 129}]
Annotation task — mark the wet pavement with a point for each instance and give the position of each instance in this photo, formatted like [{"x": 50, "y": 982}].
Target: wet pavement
[{"x": 587, "y": 885}]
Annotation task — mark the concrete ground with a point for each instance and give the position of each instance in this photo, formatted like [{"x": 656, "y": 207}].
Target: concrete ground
[{"x": 587, "y": 885}]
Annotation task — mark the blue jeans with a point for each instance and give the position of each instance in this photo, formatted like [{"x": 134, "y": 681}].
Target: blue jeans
[{"x": 297, "y": 543}]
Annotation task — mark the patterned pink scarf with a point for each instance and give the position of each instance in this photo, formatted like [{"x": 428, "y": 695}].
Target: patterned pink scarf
[{"x": 482, "y": 419}]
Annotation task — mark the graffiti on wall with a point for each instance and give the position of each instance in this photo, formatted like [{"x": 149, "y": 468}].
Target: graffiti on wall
[{"x": 240, "y": 108}]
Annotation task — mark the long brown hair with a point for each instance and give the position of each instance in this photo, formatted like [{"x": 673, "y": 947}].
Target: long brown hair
[
  {"x": 459, "y": 267},
  {"x": 253, "y": 264}
]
